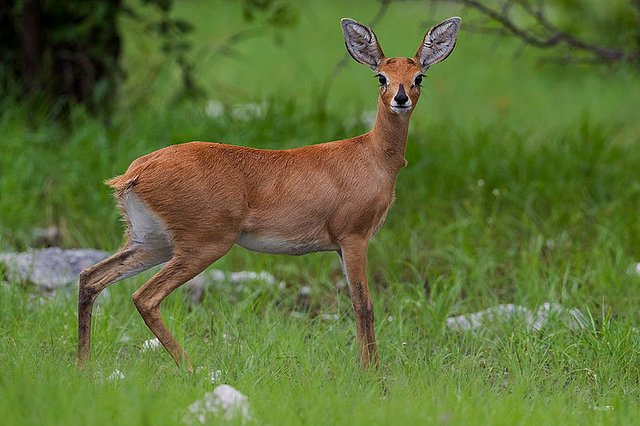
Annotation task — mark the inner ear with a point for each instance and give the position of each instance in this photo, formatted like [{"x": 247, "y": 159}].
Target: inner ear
[
  {"x": 361, "y": 43},
  {"x": 439, "y": 42}
]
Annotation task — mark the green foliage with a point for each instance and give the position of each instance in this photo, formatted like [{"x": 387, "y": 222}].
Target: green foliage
[
  {"x": 66, "y": 52},
  {"x": 612, "y": 23},
  {"x": 62, "y": 52},
  {"x": 277, "y": 13},
  {"x": 174, "y": 34}
]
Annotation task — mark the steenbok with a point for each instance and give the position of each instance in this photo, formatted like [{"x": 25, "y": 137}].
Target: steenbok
[{"x": 188, "y": 204}]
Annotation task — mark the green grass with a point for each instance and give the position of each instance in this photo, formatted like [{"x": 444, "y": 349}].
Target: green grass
[
  {"x": 522, "y": 187},
  {"x": 302, "y": 370}
]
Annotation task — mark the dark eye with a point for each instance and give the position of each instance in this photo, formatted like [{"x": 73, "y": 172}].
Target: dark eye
[
  {"x": 382, "y": 79},
  {"x": 418, "y": 80}
]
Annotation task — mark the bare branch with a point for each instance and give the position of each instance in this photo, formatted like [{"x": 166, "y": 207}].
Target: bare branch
[{"x": 545, "y": 34}]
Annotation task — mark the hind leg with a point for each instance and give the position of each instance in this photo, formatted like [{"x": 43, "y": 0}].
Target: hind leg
[
  {"x": 128, "y": 261},
  {"x": 180, "y": 269}
]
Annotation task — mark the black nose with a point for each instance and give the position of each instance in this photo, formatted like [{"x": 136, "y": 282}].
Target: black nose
[{"x": 401, "y": 97}]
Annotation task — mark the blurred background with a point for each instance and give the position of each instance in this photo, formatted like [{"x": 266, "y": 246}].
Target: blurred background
[{"x": 538, "y": 105}]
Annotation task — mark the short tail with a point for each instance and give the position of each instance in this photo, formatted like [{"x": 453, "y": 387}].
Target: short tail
[
  {"x": 120, "y": 184},
  {"x": 114, "y": 181}
]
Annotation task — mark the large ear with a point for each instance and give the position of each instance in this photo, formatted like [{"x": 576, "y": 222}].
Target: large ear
[
  {"x": 361, "y": 43},
  {"x": 439, "y": 42}
]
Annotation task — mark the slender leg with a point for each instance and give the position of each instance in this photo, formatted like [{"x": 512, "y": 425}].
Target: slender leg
[
  {"x": 127, "y": 262},
  {"x": 354, "y": 262},
  {"x": 180, "y": 269}
]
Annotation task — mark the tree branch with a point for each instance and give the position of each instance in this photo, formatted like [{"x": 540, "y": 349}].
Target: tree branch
[{"x": 551, "y": 35}]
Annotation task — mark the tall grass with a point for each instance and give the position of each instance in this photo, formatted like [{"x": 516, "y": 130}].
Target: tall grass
[{"x": 483, "y": 215}]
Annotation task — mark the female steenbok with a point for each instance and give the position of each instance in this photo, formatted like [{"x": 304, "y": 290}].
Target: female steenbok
[{"x": 188, "y": 204}]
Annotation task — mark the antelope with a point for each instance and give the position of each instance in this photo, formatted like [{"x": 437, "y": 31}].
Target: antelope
[{"x": 186, "y": 205}]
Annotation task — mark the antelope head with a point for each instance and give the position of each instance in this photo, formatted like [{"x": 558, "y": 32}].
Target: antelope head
[{"x": 400, "y": 78}]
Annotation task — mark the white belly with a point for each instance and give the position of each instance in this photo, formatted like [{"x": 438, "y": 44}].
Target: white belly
[{"x": 278, "y": 245}]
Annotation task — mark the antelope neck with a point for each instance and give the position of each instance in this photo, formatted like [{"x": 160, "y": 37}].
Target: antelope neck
[{"x": 389, "y": 133}]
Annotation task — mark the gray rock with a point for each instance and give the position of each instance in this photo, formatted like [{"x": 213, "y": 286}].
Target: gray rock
[
  {"x": 573, "y": 319},
  {"x": 50, "y": 268},
  {"x": 506, "y": 312},
  {"x": 217, "y": 278},
  {"x": 224, "y": 402},
  {"x": 54, "y": 268}
]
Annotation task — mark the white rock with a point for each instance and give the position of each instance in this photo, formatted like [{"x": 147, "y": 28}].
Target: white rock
[
  {"x": 342, "y": 284},
  {"x": 215, "y": 376},
  {"x": 330, "y": 317},
  {"x": 577, "y": 320},
  {"x": 243, "y": 276},
  {"x": 116, "y": 375},
  {"x": 574, "y": 319},
  {"x": 196, "y": 286},
  {"x": 214, "y": 109},
  {"x": 496, "y": 313},
  {"x": 224, "y": 401},
  {"x": 218, "y": 275},
  {"x": 305, "y": 291},
  {"x": 249, "y": 111},
  {"x": 602, "y": 408},
  {"x": 150, "y": 345}
]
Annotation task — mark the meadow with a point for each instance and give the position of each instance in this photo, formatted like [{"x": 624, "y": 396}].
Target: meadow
[{"x": 521, "y": 187}]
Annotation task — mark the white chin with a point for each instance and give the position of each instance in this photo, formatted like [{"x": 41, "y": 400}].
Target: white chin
[{"x": 400, "y": 110}]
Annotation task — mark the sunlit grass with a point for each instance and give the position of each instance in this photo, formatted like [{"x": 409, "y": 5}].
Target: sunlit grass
[{"x": 298, "y": 369}]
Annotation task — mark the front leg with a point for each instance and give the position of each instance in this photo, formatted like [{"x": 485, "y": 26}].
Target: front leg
[{"x": 353, "y": 252}]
